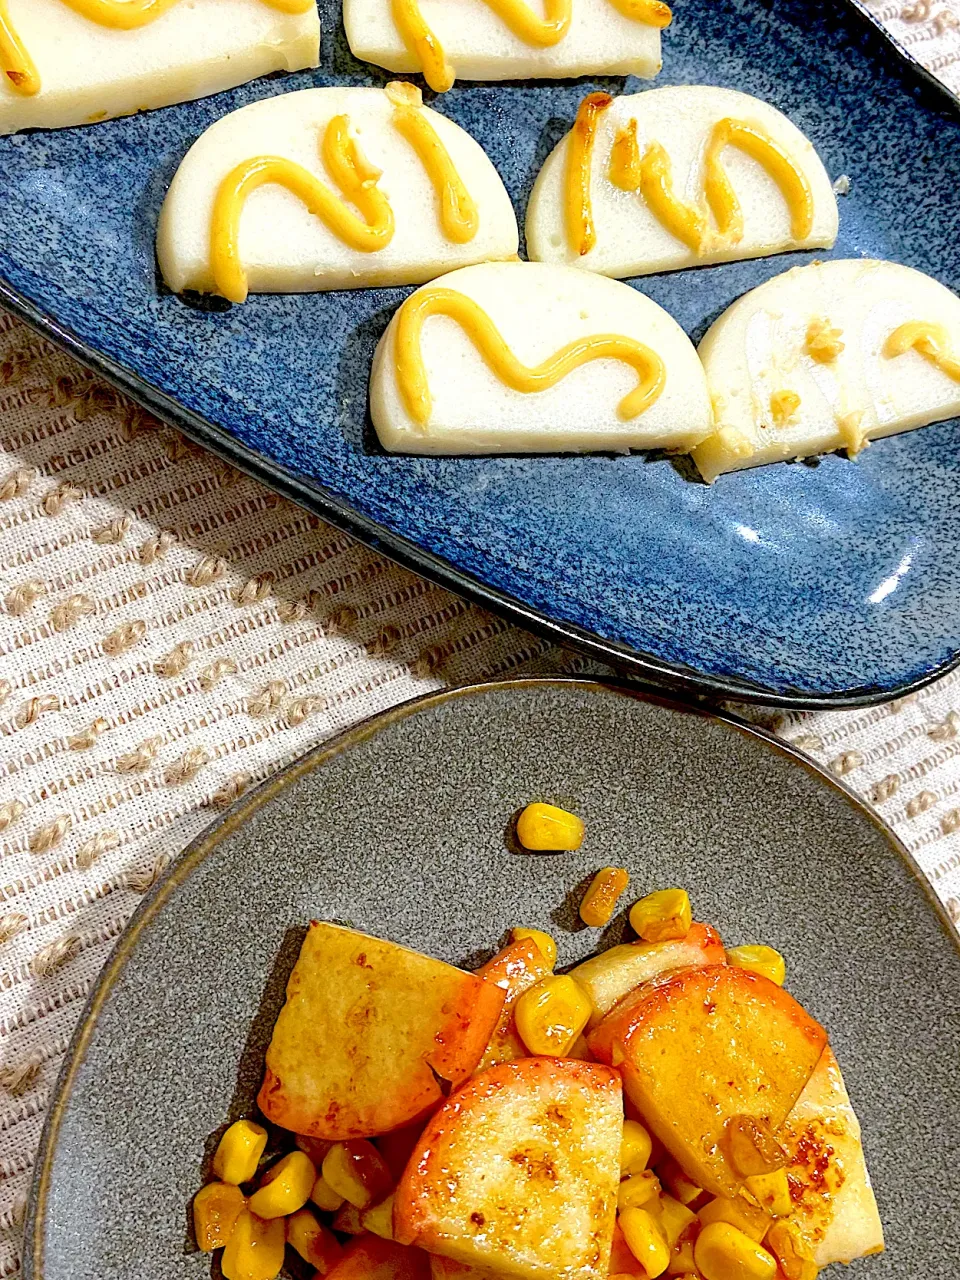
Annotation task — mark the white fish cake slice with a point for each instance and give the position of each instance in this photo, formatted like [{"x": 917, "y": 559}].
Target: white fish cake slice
[
  {"x": 835, "y": 1217},
  {"x": 538, "y": 311},
  {"x": 676, "y": 139},
  {"x": 282, "y": 246},
  {"x": 829, "y": 356},
  {"x": 478, "y": 44},
  {"x": 85, "y": 71}
]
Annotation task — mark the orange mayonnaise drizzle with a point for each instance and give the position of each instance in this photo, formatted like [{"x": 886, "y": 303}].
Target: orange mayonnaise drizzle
[
  {"x": 459, "y": 216},
  {"x": 121, "y": 15},
  {"x": 483, "y": 333},
  {"x": 583, "y": 136},
  {"x": 932, "y": 341},
  {"x": 759, "y": 146},
  {"x": 353, "y": 174},
  {"x": 652, "y": 176},
  {"x": 525, "y": 24},
  {"x": 357, "y": 180}
]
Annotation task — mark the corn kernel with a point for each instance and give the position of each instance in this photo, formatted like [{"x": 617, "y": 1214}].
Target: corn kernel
[
  {"x": 215, "y": 1212},
  {"x": 544, "y": 943},
  {"x": 764, "y": 961},
  {"x": 752, "y": 1146},
  {"x": 600, "y": 900},
  {"x": 551, "y": 1015},
  {"x": 314, "y": 1242},
  {"x": 677, "y": 1183},
  {"x": 379, "y": 1218},
  {"x": 772, "y": 1192},
  {"x": 646, "y": 1240},
  {"x": 753, "y": 1222},
  {"x": 544, "y": 828},
  {"x": 357, "y": 1171},
  {"x": 636, "y": 1146},
  {"x": 662, "y": 916},
  {"x": 324, "y": 1196},
  {"x": 724, "y": 1253},
  {"x": 254, "y": 1250},
  {"x": 674, "y": 1218},
  {"x": 681, "y": 1262},
  {"x": 795, "y": 1260},
  {"x": 285, "y": 1187},
  {"x": 638, "y": 1190},
  {"x": 239, "y": 1152}
]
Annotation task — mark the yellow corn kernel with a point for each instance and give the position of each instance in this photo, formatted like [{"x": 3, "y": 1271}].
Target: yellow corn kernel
[
  {"x": 379, "y": 1218},
  {"x": 636, "y": 1147},
  {"x": 753, "y": 1222},
  {"x": 544, "y": 943},
  {"x": 285, "y": 1187},
  {"x": 771, "y": 1191},
  {"x": 823, "y": 341},
  {"x": 215, "y": 1212},
  {"x": 765, "y": 961},
  {"x": 324, "y": 1196},
  {"x": 314, "y": 1242},
  {"x": 255, "y": 1249},
  {"x": 645, "y": 1240},
  {"x": 545, "y": 828},
  {"x": 357, "y": 1171},
  {"x": 681, "y": 1262},
  {"x": 600, "y": 900},
  {"x": 661, "y": 916},
  {"x": 724, "y": 1253},
  {"x": 677, "y": 1183},
  {"x": 551, "y": 1015},
  {"x": 674, "y": 1218},
  {"x": 795, "y": 1260},
  {"x": 239, "y": 1152},
  {"x": 638, "y": 1191}
]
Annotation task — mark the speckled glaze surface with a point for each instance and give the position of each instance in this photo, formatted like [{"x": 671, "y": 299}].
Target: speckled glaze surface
[
  {"x": 804, "y": 583},
  {"x": 399, "y": 829}
]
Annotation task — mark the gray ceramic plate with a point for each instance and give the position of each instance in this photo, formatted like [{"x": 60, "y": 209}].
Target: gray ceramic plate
[{"x": 399, "y": 829}]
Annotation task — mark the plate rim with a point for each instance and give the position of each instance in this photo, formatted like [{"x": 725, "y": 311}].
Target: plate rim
[
  {"x": 315, "y": 758},
  {"x": 629, "y": 662}
]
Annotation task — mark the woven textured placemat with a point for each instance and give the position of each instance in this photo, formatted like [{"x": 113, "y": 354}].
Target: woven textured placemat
[{"x": 170, "y": 633}]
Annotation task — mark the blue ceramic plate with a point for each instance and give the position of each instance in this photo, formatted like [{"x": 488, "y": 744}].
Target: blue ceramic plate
[{"x": 806, "y": 584}]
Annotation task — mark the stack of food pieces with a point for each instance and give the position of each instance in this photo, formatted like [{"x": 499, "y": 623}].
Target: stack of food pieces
[{"x": 666, "y": 1108}]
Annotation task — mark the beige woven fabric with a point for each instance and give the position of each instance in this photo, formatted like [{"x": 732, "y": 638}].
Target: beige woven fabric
[
  {"x": 929, "y": 30},
  {"x": 170, "y": 633}
]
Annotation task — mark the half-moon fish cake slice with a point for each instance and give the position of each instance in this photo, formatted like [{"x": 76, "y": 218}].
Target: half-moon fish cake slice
[
  {"x": 331, "y": 189},
  {"x": 675, "y": 178},
  {"x": 69, "y": 62},
  {"x": 525, "y": 358},
  {"x": 508, "y": 39},
  {"x": 829, "y": 356}
]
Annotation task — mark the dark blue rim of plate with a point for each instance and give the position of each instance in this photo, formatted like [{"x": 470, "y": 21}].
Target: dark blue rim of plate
[
  {"x": 316, "y": 758},
  {"x": 632, "y": 664}
]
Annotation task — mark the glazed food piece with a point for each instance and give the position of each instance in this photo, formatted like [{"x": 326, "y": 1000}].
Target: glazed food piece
[
  {"x": 526, "y": 358},
  {"x": 368, "y": 1032},
  {"x": 835, "y": 1211},
  {"x": 675, "y": 178},
  {"x": 515, "y": 970},
  {"x": 613, "y": 974},
  {"x": 700, "y": 1048},
  {"x": 331, "y": 189},
  {"x": 518, "y": 1172},
  {"x": 508, "y": 39},
  {"x": 829, "y": 356},
  {"x": 69, "y": 62}
]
